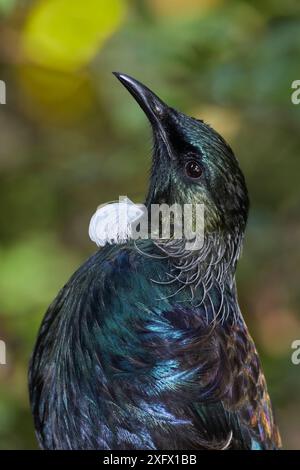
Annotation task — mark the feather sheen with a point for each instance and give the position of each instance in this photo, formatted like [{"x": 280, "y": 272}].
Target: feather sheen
[{"x": 115, "y": 368}]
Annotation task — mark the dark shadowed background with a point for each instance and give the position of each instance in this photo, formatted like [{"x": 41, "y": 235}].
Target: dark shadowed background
[{"x": 71, "y": 138}]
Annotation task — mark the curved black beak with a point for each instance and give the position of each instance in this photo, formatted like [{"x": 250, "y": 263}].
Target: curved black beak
[{"x": 153, "y": 107}]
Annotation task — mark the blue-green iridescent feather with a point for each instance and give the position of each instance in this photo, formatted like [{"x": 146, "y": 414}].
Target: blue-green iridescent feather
[{"x": 119, "y": 367}]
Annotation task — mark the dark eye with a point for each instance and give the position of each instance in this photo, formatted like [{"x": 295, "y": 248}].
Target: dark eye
[{"x": 193, "y": 169}]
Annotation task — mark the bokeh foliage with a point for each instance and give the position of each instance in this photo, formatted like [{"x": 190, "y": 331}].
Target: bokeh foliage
[{"x": 71, "y": 138}]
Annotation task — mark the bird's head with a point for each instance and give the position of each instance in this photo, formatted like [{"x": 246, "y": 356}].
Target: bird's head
[{"x": 192, "y": 164}]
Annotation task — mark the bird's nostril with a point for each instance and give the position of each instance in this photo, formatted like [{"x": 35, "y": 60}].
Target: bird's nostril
[{"x": 158, "y": 109}]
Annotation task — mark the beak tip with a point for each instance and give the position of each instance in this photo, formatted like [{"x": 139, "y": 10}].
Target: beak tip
[
  {"x": 116, "y": 74},
  {"x": 126, "y": 80}
]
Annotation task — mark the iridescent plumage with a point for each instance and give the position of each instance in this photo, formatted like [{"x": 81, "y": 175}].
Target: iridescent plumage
[{"x": 145, "y": 347}]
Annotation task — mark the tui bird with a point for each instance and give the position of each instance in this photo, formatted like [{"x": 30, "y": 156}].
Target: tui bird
[{"x": 145, "y": 347}]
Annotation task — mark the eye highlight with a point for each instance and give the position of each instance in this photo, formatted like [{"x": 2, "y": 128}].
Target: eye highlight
[{"x": 193, "y": 169}]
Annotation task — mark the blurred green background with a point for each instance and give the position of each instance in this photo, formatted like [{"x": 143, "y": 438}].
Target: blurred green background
[{"x": 72, "y": 138}]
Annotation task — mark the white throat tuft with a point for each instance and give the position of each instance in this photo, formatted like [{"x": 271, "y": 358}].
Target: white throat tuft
[{"x": 112, "y": 222}]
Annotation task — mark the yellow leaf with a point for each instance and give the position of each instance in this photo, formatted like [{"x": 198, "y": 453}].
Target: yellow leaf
[{"x": 65, "y": 34}]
